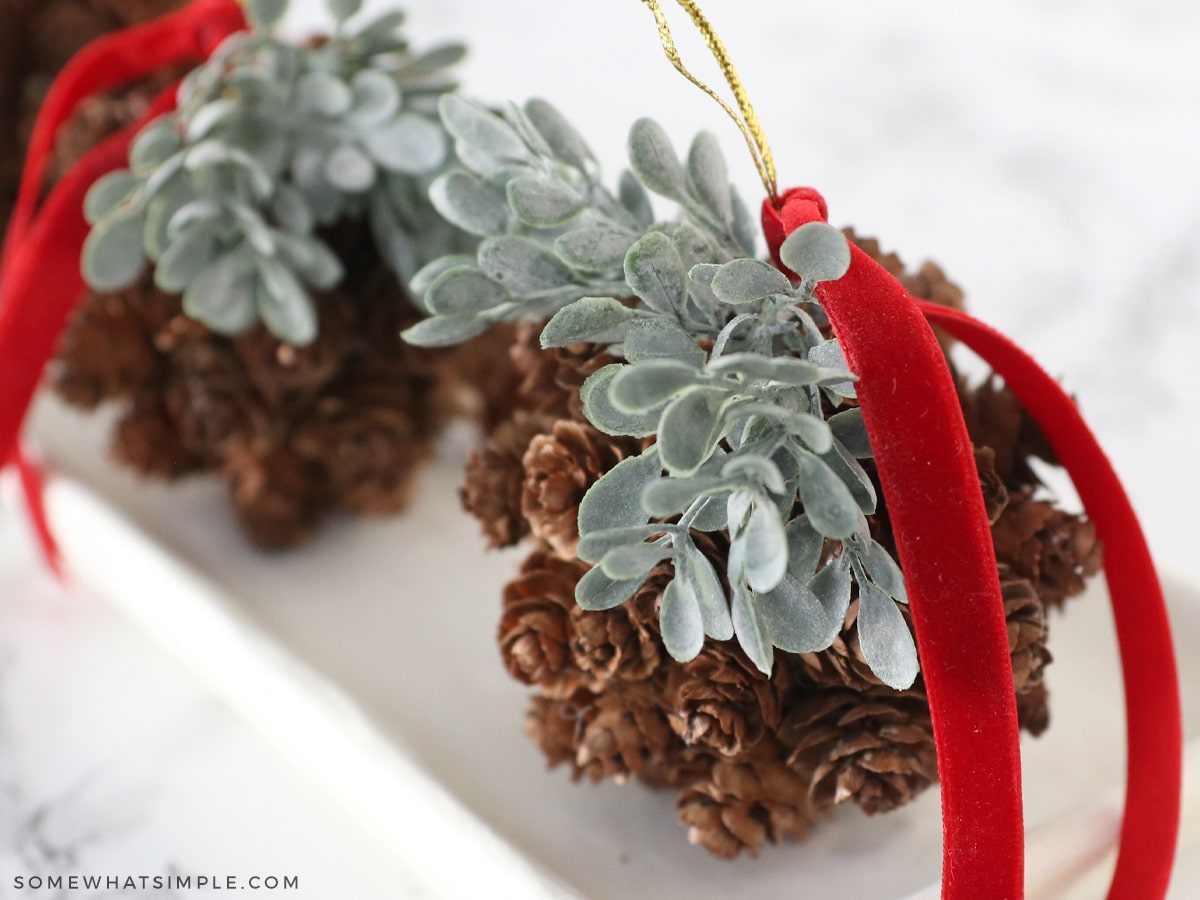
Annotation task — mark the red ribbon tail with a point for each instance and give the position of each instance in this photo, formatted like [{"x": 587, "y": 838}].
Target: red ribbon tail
[
  {"x": 1154, "y": 728},
  {"x": 33, "y": 487}
]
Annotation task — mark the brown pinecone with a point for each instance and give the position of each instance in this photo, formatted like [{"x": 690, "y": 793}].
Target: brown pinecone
[
  {"x": 720, "y": 700},
  {"x": 279, "y": 497},
  {"x": 495, "y": 478},
  {"x": 1055, "y": 550},
  {"x": 1026, "y": 620},
  {"x": 1033, "y": 710},
  {"x": 622, "y": 644},
  {"x": 478, "y": 380},
  {"x": 746, "y": 802},
  {"x": 551, "y": 379},
  {"x": 105, "y": 353},
  {"x": 215, "y": 407},
  {"x": 559, "y": 469},
  {"x": 874, "y": 748},
  {"x": 146, "y": 440},
  {"x": 995, "y": 494},
  {"x": 535, "y": 630},
  {"x": 556, "y": 725}
]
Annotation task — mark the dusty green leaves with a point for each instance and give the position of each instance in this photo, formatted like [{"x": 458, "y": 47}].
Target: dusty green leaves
[{"x": 272, "y": 140}]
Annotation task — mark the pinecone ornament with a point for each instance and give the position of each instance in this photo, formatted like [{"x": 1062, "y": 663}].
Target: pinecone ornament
[
  {"x": 495, "y": 478},
  {"x": 745, "y": 803},
  {"x": 874, "y": 748}
]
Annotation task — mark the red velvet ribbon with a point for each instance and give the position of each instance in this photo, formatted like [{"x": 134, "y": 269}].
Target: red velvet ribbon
[
  {"x": 927, "y": 471},
  {"x": 40, "y": 280}
]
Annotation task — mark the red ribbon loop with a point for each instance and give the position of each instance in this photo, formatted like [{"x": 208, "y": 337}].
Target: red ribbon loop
[
  {"x": 926, "y": 468},
  {"x": 40, "y": 280}
]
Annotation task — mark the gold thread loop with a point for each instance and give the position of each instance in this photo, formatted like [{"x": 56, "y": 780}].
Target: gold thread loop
[{"x": 748, "y": 123}]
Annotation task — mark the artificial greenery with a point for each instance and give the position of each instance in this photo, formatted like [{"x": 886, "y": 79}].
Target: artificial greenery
[
  {"x": 272, "y": 140},
  {"x": 725, "y": 361}
]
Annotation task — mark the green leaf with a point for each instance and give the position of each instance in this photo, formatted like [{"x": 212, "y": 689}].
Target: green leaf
[
  {"x": 766, "y": 547},
  {"x": 600, "y": 412},
  {"x": 344, "y": 9},
  {"x": 202, "y": 124},
  {"x": 636, "y": 201},
  {"x": 795, "y": 618},
  {"x": 375, "y": 98},
  {"x": 850, "y": 430},
  {"x": 429, "y": 274},
  {"x": 757, "y": 470},
  {"x": 410, "y": 144},
  {"x": 698, "y": 570},
  {"x": 543, "y": 202},
  {"x": 521, "y": 264},
  {"x": 654, "y": 160},
  {"x": 290, "y": 211},
  {"x": 464, "y": 291},
  {"x": 668, "y": 496},
  {"x": 805, "y": 544},
  {"x": 312, "y": 259},
  {"x": 431, "y": 61},
  {"x": 828, "y": 502},
  {"x": 689, "y": 430},
  {"x": 561, "y": 137},
  {"x": 615, "y": 500},
  {"x": 811, "y": 429},
  {"x": 592, "y": 546},
  {"x": 816, "y": 252},
  {"x": 846, "y": 467},
  {"x": 583, "y": 320},
  {"x": 751, "y": 631},
  {"x": 324, "y": 94},
  {"x": 707, "y": 178},
  {"x": 634, "y": 561},
  {"x": 223, "y": 294},
  {"x": 349, "y": 169},
  {"x": 650, "y": 383},
  {"x": 681, "y": 620},
  {"x": 284, "y": 305},
  {"x": 183, "y": 260},
  {"x": 445, "y": 331},
  {"x": 832, "y": 587},
  {"x": 887, "y": 644},
  {"x": 655, "y": 338},
  {"x": 474, "y": 125},
  {"x": 153, "y": 146},
  {"x": 654, "y": 271},
  {"x": 884, "y": 571},
  {"x": 265, "y": 13},
  {"x": 113, "y": 256},
  {"x": 596, "y": 591},
  {"x": 470, "y": 203},
  {"x": 601, "y": 248},
  {"x": 107, "y": 193},
  {"x": 748, "y": 281}
]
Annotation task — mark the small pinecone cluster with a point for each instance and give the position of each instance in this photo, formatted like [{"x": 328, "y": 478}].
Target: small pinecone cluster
[
  {"x": 38, "y": 38},
  {"x": 754, "y": 759},
  {"x": 340, "y": 425}
]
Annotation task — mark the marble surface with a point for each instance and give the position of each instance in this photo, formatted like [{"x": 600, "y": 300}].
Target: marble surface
[{"x": 1042, "y": 150}]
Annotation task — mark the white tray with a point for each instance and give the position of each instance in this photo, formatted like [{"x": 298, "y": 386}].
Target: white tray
[{"x": 369, "y": 658}]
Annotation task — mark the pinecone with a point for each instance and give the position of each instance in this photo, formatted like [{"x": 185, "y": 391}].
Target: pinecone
[
  {"x": 1055, "y": 550},
  {"x": 105, "y": 353},
  {"x": 721, "y": 701},
  {"x": 146, "y": 440},
  {"x": 495, "y": 478},
  {"x": 1026, "y": 620},
  {"x": 559, "y": 469},
  {"x": 995, "y": 494},
  {"x": 874, "y": 748},
  {"x": 536, "y": 631},
  {"x": 746, "y": 802},
  {"x": 996, "y": 419},
  {"x": 1033, "y": 710},
  {"x": 477, "y": 379},
  {"x": 279, "y": 497},
  {"x": 556, "y": 725},
  {"x": 551, "y": 379},
  {"x": 622, "y": 644}
]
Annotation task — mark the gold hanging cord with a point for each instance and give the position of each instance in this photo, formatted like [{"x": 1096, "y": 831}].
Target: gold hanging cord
[{"x": 748, "y": 123}]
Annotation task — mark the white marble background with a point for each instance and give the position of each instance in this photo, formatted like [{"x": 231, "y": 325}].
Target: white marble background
[{"x": 1043, "y": 150}]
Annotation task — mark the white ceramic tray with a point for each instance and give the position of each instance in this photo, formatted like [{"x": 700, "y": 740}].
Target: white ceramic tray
[{"x": 369, "y": 658}]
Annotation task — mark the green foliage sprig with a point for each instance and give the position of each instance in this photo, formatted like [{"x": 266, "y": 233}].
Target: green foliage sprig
[
  {"x": 271, "y": 140},
  {"x": 724, "y": 359}
]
